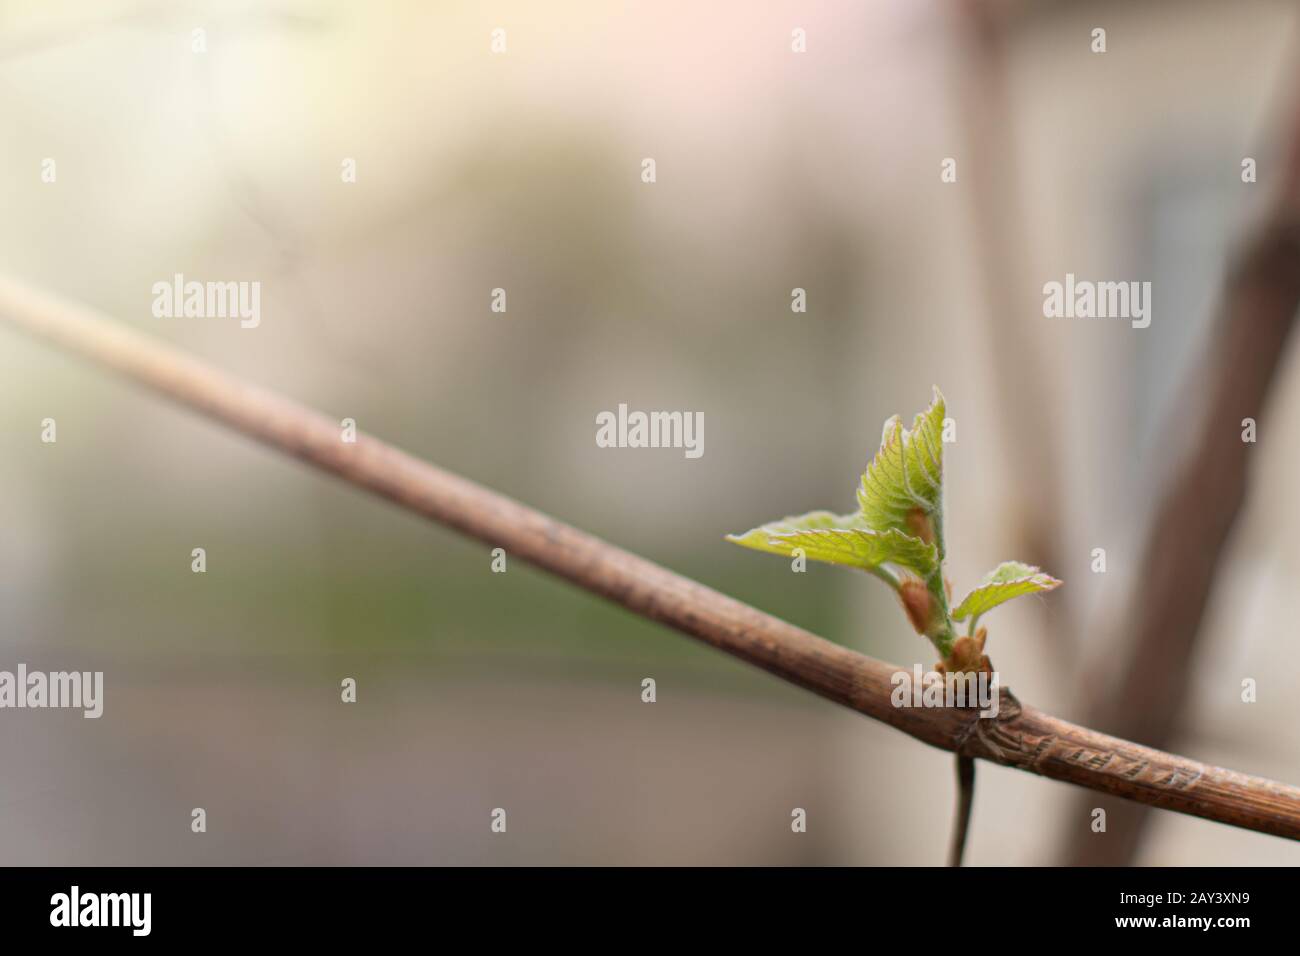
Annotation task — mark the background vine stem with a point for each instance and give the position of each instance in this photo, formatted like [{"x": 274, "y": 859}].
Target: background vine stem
[{"x": 1021, "y": 736}]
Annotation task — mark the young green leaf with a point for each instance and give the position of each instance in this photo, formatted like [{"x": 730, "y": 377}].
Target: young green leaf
[
  {"x": 841, "y": 539},
  {"x": 902, "y": 488},
  {"x": 1008, "y": 580},
  {"x": 897, "y": 535}
]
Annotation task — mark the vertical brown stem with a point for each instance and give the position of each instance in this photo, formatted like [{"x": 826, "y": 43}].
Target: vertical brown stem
[{"x": 1186, "y": 540}]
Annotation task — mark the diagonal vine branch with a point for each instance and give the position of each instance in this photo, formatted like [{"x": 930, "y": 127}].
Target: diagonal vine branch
[{"x": 1021, "y": 736}]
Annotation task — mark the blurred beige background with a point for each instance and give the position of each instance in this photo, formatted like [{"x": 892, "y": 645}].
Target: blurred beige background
[{"x": 775, "y": 170}]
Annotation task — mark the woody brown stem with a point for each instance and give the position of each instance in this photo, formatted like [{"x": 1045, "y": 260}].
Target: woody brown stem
[
  {"x": 1187, "y": 540},
  {"x": 965, "y": 800},
  {"x": 1020, "y": 736}
]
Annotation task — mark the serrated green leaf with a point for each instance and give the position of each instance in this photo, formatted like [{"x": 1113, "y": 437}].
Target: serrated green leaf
[
  {"x": 1008, "y": 580},
  {"x": 841, "y": 539},
  {"x": 758, "y": 538},
  {"x": 902, "y": 488}
]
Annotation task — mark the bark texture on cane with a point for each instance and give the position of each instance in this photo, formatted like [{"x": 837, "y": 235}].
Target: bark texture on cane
[{"x": 1020, "y": 736}]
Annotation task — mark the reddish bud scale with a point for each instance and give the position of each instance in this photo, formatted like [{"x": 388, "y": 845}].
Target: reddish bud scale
[
  {"x": 920, "y": 526},
  {"x": 968, "y": 655},
  {"x": 919, "y": 604}
]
